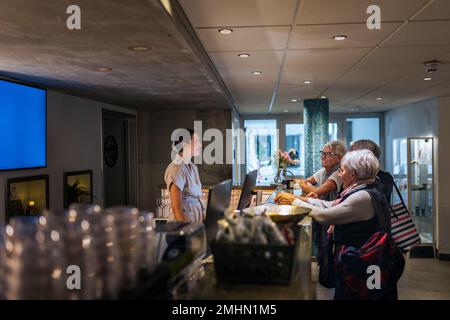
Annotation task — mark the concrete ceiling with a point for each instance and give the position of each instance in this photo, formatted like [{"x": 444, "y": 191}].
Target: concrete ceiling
[
  {"x": 37, "y": 48},
  {"x": 291, "y": 41}
]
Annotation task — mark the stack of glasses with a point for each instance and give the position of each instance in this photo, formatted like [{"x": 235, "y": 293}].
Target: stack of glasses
[
  {"x": 107, "y": 251},
  {"x": 83, "y": 253},
  {"x": 34, "y": 262}
]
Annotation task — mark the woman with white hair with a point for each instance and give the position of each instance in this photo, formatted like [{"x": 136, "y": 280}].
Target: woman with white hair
[{"x": 361, "y": 212}]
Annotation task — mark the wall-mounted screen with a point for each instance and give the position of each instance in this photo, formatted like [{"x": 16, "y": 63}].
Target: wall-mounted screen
[{"x": 23, "y": 117}]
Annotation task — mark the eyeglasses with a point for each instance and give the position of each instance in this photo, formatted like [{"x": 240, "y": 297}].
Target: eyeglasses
[{"x": 327, "y": 154}]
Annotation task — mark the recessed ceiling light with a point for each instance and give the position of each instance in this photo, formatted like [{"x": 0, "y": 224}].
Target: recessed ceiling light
[
  {"x": 138, "y": 48},
  {"x": 256, "y": 72},
  {"x": 286, "y": 110},
  {"x": 379, "y": 99},
  {"x": 323, "y": 97},
  {"x": 293, "y": 100},
  {"x": 307, "y": 82},
  {"x": 225, "y": 31},
  {"x": 427, "y": 78},
  {"x": 244, "y": 55},
  {"x": 103, "y": 69},
  {"x": 340, "y": 37}
]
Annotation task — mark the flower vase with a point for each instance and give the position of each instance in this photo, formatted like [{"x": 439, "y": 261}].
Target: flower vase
[{"x": 281, "y": 174}]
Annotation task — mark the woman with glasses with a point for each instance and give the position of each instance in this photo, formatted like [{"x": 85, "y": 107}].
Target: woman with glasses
[{"x": 325, "y": 183}]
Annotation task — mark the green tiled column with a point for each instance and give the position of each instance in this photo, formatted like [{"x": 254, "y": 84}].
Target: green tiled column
[{"x": 315, "y": 119}]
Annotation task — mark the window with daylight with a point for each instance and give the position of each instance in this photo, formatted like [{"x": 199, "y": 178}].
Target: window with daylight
[{"x": 261, "y": 141}]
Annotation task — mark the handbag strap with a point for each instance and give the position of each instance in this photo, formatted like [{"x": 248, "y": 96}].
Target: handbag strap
[
  {"x": 382, "y": 220},
  {"x": 401, "y": 198}
]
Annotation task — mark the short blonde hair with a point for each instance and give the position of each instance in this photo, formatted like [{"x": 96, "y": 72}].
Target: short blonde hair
[
  {"x": 363, "y": 162},
  {"x": 337, "y": 147}
]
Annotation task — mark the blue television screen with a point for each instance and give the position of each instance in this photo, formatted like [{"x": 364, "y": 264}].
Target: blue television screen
[{"x": 22, "y": 126}]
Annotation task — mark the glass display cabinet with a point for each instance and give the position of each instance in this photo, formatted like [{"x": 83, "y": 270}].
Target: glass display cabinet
[
  {"x": 400, "y": 168},
  {"x": 413, "y": 173},
  {"x": 420, "y": 185}
]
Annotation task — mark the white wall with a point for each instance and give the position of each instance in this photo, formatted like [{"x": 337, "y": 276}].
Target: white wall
[
  {"x": 74, "y": 142},
  {"x": 429, "y": 118},
  {"x": 365, "y": 129},
  {"x": 443, "y": 176},
  {"x": 415, "y": 120}
]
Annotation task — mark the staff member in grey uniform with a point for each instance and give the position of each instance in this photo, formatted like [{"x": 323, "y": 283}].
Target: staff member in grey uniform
[{"x": 183, "y": 181}]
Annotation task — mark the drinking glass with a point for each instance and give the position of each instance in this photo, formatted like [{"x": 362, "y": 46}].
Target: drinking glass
[
  {"x": 34, "y": 261},
  {"x": 148, "y": 242},
  {"x": 105, "y": 242},
  {"x": 81, "y": 268},
  {"x": 126, "y": 223}
]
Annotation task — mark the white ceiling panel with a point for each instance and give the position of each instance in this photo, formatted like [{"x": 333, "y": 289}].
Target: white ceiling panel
[
  {"x": 404, "y": 87},
  {"x": 242, "y": 77},
  {"x": 422, "y": 33},
  {"x": 254, "y": 106},
  {"x": 351, "y": 73},
  {"x": 257, "y": 101},
  {"x": 321, "y": 36},
  {"x": 292, "y": 86},
  {"x": 245, "y": 39},
  {"x": 350, "y": 11},
  {"x": 437, "y": 10},
  {"x": 361, "y": 80},
  {"x": 252, "y": 91},
  {"x": 324, "y": 57},
  {"x": 284, "y": 102},
  {"x": 257, "y": 59},
  {"x": 320, "y": 77},
  {"x": 217, "y": 13},
  {"x": 399, "y": 56}
]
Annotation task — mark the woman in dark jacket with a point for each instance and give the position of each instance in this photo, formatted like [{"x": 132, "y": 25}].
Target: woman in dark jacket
[
  {"x": 385, "y": 179},
  {"x": 360, "y": 213}
]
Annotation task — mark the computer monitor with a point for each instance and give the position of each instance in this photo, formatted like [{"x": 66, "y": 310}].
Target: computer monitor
[
  {"x": 247, "y": 190},
  {"x": 218, "y": 200}
]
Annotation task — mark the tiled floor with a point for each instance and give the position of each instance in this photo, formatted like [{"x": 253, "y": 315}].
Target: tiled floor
[{"x": 423, "y": 279}]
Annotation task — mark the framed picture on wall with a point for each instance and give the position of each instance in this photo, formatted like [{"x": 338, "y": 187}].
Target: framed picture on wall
[
  {"x": 27, "y": 196},
  {"x": 77, "y": 187}
]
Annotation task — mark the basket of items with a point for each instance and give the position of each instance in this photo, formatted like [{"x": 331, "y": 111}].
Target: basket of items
[{"x": 258, "y": 247}]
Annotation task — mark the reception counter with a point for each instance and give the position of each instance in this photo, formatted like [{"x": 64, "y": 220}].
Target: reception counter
[{"x": 301, "y": 287}]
